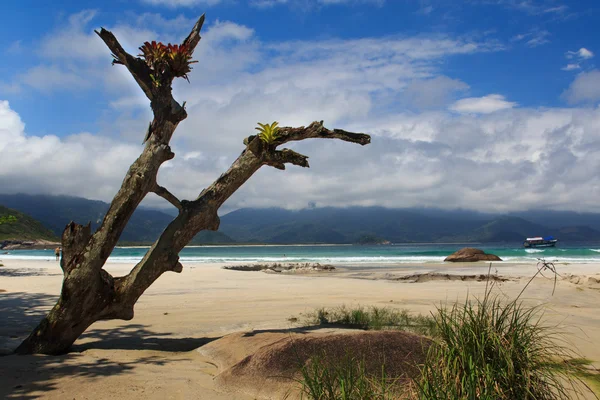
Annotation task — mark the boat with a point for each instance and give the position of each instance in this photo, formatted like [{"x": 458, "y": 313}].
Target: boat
[{"x": 540, "y": 241}]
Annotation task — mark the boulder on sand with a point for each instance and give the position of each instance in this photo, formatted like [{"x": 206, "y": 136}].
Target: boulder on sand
[
  {"x": 267, "y": 364},
  {"x": 469, "y": 254}
]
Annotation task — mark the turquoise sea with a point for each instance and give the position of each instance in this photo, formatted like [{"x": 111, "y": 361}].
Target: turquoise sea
[{"x": 344, "y": 254}]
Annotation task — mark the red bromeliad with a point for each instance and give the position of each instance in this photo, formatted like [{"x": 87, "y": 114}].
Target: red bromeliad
[
  {"x": 180, "y": 58},
  {"x": 159, "y": 56},
  {"x": 155, "y": 55}
]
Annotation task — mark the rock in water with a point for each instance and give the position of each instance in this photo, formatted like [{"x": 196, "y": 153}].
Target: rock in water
[{"x": 469, "y": 254}]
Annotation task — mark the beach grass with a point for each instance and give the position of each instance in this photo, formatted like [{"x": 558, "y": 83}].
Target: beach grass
[
  {"x": 482, "y": 348},
  {"x": 372, "y": 318},
  {"x": 488, "y": 349},
  {"x": 345, "y": 380}
]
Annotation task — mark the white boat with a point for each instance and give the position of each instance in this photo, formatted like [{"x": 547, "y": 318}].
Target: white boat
[{"x": 540, "y": 241}]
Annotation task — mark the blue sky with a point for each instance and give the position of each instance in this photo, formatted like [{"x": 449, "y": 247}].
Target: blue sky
[{"x": 506, "y": 88}]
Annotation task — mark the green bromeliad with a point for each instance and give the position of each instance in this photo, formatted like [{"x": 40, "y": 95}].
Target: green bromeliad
[{"x": 268, "y": 133}]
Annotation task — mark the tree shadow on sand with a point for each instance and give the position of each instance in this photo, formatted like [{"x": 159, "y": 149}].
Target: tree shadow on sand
[
  {"x": 18, "y": 272},
  {"x": 19, "y": 314},
  {"x": 136, "y": 337},
  {"x": 29, "y": 377}
]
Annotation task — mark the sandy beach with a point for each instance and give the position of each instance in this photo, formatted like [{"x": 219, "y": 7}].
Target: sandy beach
[{"x": 155, "y": 355}]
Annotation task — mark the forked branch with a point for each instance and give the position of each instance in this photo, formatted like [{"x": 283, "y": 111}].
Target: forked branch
[{"x": 136, "y": 66}]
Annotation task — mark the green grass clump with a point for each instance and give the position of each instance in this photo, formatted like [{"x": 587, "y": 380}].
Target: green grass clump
[
  {"x": 345, "y": 380},
  {"x": 372, "y": 318},
  {"x": 484, "y": 348},
  {"x": 487, "y": 349}
]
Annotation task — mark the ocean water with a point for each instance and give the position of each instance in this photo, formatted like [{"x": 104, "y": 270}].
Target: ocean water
[{"x": 343, "y": 254}]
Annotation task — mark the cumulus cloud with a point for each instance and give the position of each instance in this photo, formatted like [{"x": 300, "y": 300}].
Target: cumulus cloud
[
  {"x": 82, "y": 164},
  {"x": 585, "y": 88},
  {"x": 519, "y": 159},
  {"x": 582, "y": 53},
  {"x": 482, "y": 105},
  {"x": 579, "y": 58}
]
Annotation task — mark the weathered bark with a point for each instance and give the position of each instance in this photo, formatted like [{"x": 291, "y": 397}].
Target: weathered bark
[{"x": 89, "y": 293}]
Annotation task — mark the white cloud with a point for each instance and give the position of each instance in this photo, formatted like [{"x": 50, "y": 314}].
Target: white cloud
[
  {"x": 580, "y": 59},
  {"x": 482, "y": 105},
  {"x": 47, "y": 78},
  {"x": 522, "y": 158},
  {"x": 431, "y": 93},
  {"x": 534, "y": 38},
  {"x": 227, "y": 30},
  {"x": 538, "y": 39},
  {"x": 582, "y": 53},
  {"x": 59, "y": 44},
  {"x": 571, "y": 67},
  {"x": 75, "y": 58},
  {"x": 558, "y": 9},
  {"x": 585, "y": 88},
  {"x": 53, "y": 165},
  {"x": 532, "y": 7}
]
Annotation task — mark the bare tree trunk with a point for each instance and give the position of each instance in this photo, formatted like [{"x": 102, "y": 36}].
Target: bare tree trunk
[{"x": 89, "y": 293}]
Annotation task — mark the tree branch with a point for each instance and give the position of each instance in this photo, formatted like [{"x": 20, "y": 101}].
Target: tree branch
[
  {"x": 194, "y": 37},
  {"x": 279, "y": 158},
  {"x": 165, "y": 194},
  {"x": 136, "y": 66},
  {"x": 317, "y": 130}
]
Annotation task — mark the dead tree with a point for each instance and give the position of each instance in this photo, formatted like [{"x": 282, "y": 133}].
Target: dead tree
[{"x": 89, "y": 293}]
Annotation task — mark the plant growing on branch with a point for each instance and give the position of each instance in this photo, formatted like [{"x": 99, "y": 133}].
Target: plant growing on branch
[
  {"x": 171, "y": 58},
  {"x": 89, "y": 293},
  {"x": 268, "y": 133}
]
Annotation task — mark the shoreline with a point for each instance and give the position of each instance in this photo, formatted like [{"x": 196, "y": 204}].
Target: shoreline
[{"x": 347, "y": 254}]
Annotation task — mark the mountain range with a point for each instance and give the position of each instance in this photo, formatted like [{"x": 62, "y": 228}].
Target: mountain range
[
  {"x": 324, "y": 225},
  {"x": 378, "y": 224},
  {"x": 55, "y": 212}
]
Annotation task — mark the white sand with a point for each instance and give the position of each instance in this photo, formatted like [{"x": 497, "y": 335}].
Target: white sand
[{"x": 153, "y": 357}]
